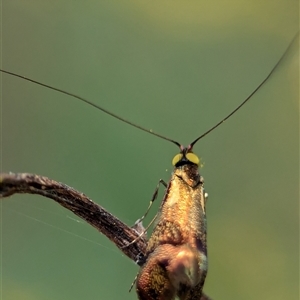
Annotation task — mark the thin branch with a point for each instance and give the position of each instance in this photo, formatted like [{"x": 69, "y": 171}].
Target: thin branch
[{"x": 78, "y": 203}]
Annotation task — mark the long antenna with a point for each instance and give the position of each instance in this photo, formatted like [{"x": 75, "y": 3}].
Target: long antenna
[
  {"x": 92, "y": 104},
  {"x": 248, "y": 98},
  {"x": 149, "y": 130}
]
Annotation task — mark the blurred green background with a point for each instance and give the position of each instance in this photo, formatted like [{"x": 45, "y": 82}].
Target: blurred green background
[{"x": 176, "y": 67}]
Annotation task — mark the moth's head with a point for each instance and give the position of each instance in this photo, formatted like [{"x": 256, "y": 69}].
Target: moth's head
[{"x": 186, "y": 156}]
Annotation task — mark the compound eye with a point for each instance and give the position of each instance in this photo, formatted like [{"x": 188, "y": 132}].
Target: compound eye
[
  {"x": 193, "y": 158},
  {"x": 177, "y": 158}
]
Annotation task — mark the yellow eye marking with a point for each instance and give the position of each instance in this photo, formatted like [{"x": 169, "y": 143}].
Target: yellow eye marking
[
  {"x": 177, "y": 158},
  {"x": 189, "y": 156},
  {"x": 193, "y": 158}
]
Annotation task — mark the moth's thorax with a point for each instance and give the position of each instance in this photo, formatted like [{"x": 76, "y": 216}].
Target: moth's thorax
[
  {"x": 189, "y": 174},
  {"x": 182, "y": 218}
]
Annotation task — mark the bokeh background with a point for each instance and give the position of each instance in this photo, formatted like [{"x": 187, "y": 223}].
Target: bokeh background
[{"x": 176, "y": 67}]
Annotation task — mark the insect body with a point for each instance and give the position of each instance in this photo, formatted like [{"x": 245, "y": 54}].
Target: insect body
[{"x": 176, "y": 255}]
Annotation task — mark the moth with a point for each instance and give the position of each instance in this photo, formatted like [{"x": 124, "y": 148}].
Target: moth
[
  {"x": 218, "y": 172},
  {"x": 175, "y": 264}
]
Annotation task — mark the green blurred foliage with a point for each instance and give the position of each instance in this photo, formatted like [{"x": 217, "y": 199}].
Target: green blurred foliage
[{"x": 176, "y": 67}]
